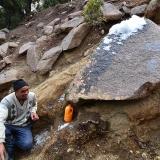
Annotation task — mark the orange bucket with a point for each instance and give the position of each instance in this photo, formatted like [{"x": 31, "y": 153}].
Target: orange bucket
[{"x": 68, "y": 114}]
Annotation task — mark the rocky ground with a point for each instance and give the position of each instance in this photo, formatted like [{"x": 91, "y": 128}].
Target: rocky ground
[{"x": 101, "y": 130}]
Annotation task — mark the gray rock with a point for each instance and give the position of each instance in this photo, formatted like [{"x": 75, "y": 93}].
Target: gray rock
[
  {"x": 54, "y": 22},
  {"x": 121, "y": 71},
  {"x": 153, "y": 11},
  {"x": 110, "y": 12},
  {"x": 2, "y": 36},
  {"x": 3, "y": 49},
  {"x": 5, "y": 30},
  {"x": 48, "y": 59},
  {"x": 33, "y": 56},
  {"x": 40, "y": 25},
  {"x": 8, "y": 59},
  {"x": 48, "y": 30},
  {"x": 12, "y": 44},
  {"x": 75, "y": 14},
  {"x": 2, "y": 64},
  {"x": 72, "y": 23},
  {"x": 126, "y": 9},
  {"x": 41, "y": 40},
  {"x": 138, "y": 10},
  {"x": 24, "y": 48},
  {"x": 7, "y": 77},
  {"x": 75, "y": 37}
]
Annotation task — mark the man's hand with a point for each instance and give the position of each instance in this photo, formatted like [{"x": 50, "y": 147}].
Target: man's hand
[
  {"x": 2, "y": 151},
  {"x": 34, "y": 116}
]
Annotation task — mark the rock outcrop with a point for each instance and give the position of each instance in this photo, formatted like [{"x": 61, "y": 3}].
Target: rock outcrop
[{"x": 109, "y": 74}]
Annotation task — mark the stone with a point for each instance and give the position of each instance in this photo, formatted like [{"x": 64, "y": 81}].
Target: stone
[
  {"x": 4, "y": 49},
  {"x": 121, "y": 71},
  {"x": 7, "y": 77},
  {"x": 153, "y": 11},
  {"x": 12, "y": 44},
  {"x": 48, "y": 59},
  {"x": 5, "y": 30},
  {"x": 126, "y": 10},
  {"x": 25, "y": 47},
  {"x": 2, "y": 37},
  {"x": 48, "y": 30},
  {"x": 138, "y": 10},
  {"x": 8, "y": 59},
  {"x": 75, "y": 37},
  {"x": 40, "y": 25},
  {"x": 75, "y": 14},
  {"x": 72, "y": 23},
  {"x": 57, "y": 29},
  {"x": 33, "y": 57},
  {"x": 2, "y": 64},
  {"x": 54, "y": 22},
  {"x": 41, "y": 40},
  {"x": 110, "y": 12}
]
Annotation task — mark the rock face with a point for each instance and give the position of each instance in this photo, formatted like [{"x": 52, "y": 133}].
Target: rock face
[
  {"x": 48, "y": 30},
  {"x": 75, "y": 37},
  {"x": 54, "y": 22},
  {"x": 153, "y": 11},
  {"x": 120, "y": 71},
  {"x": 2, "y": 64},
  {"x": 110, "y": 12},
  {"x": 139, "y": 10},
  {"x": 75, "y": 14},
  {"x": 48, "y": 59}
]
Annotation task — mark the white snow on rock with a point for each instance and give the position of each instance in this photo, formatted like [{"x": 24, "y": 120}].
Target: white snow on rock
[
  {"x": 123, "y": 30},
  {"x": 41, "y": 138},
  {"x": 128, "y": 27}
]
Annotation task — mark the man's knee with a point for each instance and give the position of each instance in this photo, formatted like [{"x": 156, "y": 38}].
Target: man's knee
[{"x": 26, "y": 145}]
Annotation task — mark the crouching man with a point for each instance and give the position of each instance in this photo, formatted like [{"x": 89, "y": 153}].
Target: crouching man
[{"x": 17, "y": 111}]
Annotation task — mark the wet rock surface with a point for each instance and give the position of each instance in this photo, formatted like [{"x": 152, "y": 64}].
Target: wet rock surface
[{"x": 121, "y": 70}]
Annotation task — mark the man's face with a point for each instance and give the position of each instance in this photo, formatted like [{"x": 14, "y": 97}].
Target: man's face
[{"x": 22, "y": 93}]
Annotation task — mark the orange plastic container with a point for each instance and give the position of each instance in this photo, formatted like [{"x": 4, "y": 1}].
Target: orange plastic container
[{"x": 68, "y": 114}]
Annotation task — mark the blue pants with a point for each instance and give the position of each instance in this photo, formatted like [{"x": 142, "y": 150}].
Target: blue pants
[{"x": 20, "y": 137}]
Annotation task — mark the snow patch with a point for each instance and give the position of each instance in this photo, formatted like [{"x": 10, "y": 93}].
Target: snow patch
[
  {"x": 128, "y": 27},
  {"x": 107, "y": 40},
  {"x": 107, "y": 48}
]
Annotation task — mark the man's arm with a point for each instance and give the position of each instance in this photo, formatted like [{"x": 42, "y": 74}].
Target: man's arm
[
  {"x": 34, "y": 115},
  {"x": 3, "y": 117}
]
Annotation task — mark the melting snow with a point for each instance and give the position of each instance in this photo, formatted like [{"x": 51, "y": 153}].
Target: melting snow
[
  {"x": 128, "y": 27},
  {"x": 60, "y": 127},
  {"x": 41, "y": 138},
  {"x": 123, "y": 30}
]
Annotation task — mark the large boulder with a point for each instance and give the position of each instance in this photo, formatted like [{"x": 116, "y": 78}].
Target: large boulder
[
  {"x": 3, "y": 49},
  {"x": 124, "y": 66},
  {"x": 110, "y": 12},
  {"x": 24, "y": 48},
  {"x": 153, "y": 11},
  {"x": 138, "y": 10},
  {"x": 48, "y": 59},
  {"x": 75, "y": 37},
  {"x": 33, "y": 56},
  {"x": 72, "y": 23}
]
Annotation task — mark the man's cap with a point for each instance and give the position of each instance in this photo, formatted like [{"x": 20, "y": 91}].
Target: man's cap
[{"x": 18, "y": 84}]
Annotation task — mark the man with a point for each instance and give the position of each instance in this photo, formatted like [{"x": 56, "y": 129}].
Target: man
[{"x": 17, "y": 110}]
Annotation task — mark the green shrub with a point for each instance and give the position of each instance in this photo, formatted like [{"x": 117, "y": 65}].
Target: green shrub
[{"x": 92, "y": 12}]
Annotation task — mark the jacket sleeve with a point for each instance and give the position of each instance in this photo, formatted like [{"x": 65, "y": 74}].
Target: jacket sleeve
[
  {"x": 3, "y": 117},
  {"x": 34, "y": 108}
]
